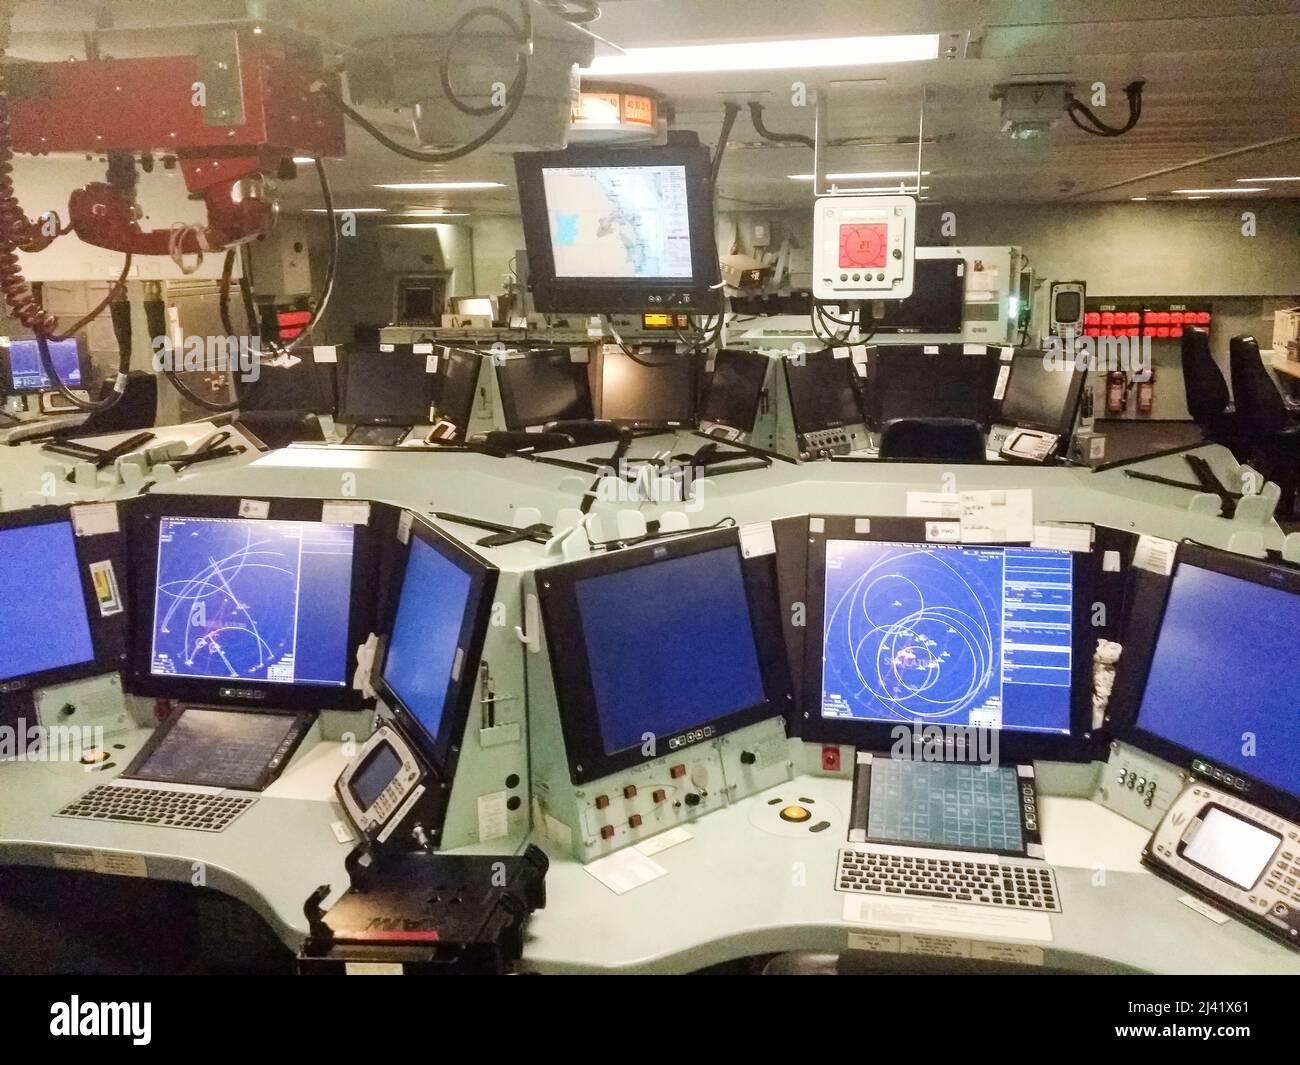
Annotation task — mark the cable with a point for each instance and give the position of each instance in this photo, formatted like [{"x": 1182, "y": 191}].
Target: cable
[
  {"x": 729, "y": 112},
  {"x": 453, "y": 35},
  {"x": 587, "y": 13},
  {"x": 525, "y": 33},
  {"x": 756, "y": 116},
  {"x": 1075, "y": 107}
]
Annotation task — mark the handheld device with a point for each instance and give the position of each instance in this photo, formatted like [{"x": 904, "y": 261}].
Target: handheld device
[{"x": 382, "y": 784}]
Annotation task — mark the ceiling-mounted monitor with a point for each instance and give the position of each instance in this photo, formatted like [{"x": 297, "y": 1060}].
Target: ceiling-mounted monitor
[
  {"x": 936, "y": 303},
  {"x": 615, "y": 230}
]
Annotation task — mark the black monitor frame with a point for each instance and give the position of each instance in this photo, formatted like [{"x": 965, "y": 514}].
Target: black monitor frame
[
  {"x": 462, "y": 412},
  {"x": 699, "y": 292},
  {"x": 760, "y": 363},
  {"x": 571, "y": 669},
  {"x": 347, "y": 385},
  {"x": 1081, "y": 745},
  {"x": 981, "y": 413},
  {"x": 108, "y": 635},
  {"x": 1150, "y": 600},
  {"x": 649, "y": 365},
  {"x": 949, "y": 267},
  {"x": 441, "y": 752},
  {"x": 1064, "y": 424},
  {"x": 512, "y": 404},
  {"x": 792, "y": 367},
  {"x": 7, "y": 386},
  {"x": 143, "y": 525}
]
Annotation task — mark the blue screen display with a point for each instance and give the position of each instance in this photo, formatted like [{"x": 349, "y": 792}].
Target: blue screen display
[
  {"x": 670, "y": 646},
  {"x": 29, "y": 375},
  {"x": 979, "y": 637},
  {"x": 253, "y": 599},
  {"x": 43, "y": 624},
  {"x": 426, "y": 633},
  {"x": 1223, "y": 680}
]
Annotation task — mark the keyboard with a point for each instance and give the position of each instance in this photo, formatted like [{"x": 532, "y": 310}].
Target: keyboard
[
  {"x": 198, "y": 811},
  {"x": 948, "y": 876}
]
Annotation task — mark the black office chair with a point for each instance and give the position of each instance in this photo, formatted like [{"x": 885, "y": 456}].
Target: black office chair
[
  {"x": 1208, "y": 399},
  {"x": 951, "y": 439},
  {"x": 1270, "y": 438},
  {"x": 137, "y": 409}
]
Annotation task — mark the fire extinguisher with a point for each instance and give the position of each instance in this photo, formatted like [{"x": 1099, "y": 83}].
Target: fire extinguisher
[
  {"x": 1146, "y": 393},
  {"x": 1116, "y": 392}
]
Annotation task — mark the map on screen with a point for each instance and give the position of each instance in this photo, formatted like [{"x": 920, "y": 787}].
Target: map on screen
[{"x": 619, "y": 221}]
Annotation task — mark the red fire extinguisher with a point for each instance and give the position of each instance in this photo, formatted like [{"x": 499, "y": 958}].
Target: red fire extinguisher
[
  {"x": 1146, "y": 393},
  {"x": 1116, "y": 392}
]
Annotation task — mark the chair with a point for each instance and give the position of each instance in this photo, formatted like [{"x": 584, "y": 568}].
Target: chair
[
  {"x": 1208, "y": 399},
  {"x": 951, "y": 439},
  {"x": 1270, "y": 439},
  {"x": 137, "y": 409}
]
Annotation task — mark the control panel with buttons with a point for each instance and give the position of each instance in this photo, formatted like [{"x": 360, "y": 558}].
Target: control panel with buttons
[
  {"x": 863, "y": 247},
  {"x": 602, "y": 816},
  {"x": 1137, "y": 786},
  {"x": 826, "y": 442},
  {"x": 1242, "y": 858}
]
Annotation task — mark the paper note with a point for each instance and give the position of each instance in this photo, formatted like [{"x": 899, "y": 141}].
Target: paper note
[
  {"x": 1063, "y": 536},
  {"x": 625, "y": 870},
  {"x": 95, "y": 519},
  {"x": 954, "y": 918},
  {"x": 343, "y": 512},
  {"x": 934, "y": 505},
  {"x": 1208, "y": 912},
  {"x": 998, "y": 516},
  {"x": 325, "y": 353},
  {"x": 254, "y": 508},
  {"x": 1155, "y": 555},
  {"x": 757, "y": 539},
  {"x": 943, "y": 532},
  {"x": 492, "y": 820}
]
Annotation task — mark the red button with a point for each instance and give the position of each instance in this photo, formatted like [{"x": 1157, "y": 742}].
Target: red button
[
  {"x": 659, "y": 795},
  {"x": 602, "y": 801},
  {"x": 677, "y": 771},
  {"x": 634, "y": 821},
  {"x": 629, "y": 791},
  {"x": 606, "y": 831}
]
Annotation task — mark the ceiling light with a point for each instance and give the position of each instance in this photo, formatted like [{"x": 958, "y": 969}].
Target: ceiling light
[
  {"x": 1198, "y": 197},
  {"x": 304, "y": 160},
  {"x": 768, "y": 55},
  {"x": 426, "y": 186},
  {"x": 431, "y": 212},
  {"x": 864, "y": 175},
  {"x": 347, "y": 210},
  {"x": 1212, "y": 192},
  {"x": 1137, "y": 199},
  {"x": 1252, "y": 180},
  {"x": 412, "y": 225}
]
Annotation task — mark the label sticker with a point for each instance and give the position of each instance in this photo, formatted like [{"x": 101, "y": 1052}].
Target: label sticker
[
  {"x": 862, "y": 525},
  {"x": 1007, "y": 354},
  {"x": 1155, "y": 555},
  {"x": 1011, "y": 953},
  {"x": 943, "y": 532},
  {"x": 105, "y": 582},
  {"x": 96, "y": 519},
  {"x": 519, "y": 321},
  {"x": 579, "y": 353},
  {"x": 254, "y": 508},
  {"x": 840, "y": 353},
  {"x": 387, "y": 347},
  {"x": 342, "y": 832},
  {"x": 757, "y": 539},
  {"x": 345, "y": 512},
  {"x": 1110, "y": 562},
  {"x": 1063, "y": 536},
  {"x": 325, "y": 353},
  {"x": 1208, "y": 912},
  {"x": 372, "y": 968},
  {"x": 424, "y": 347},
  {"x": 935, "y": 946},
  {"x": 1004, "y": 375},
  {"x": 431, "y": 363},
  {"x": 492, "y": 820},
  {"x": 404, "y": 526},
  {"x": 114, "y": 864},
  {"x": 74, "y": 860},
  {"x": 879, "y": 942}
]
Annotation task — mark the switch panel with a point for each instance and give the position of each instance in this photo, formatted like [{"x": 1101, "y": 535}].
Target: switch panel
[{"x": 1137, "y": 785}]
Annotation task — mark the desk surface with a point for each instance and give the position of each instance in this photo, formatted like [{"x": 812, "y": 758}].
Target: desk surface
[
  {"x": 1283, "y": 365},
  {"x": 743, "y": 884}
]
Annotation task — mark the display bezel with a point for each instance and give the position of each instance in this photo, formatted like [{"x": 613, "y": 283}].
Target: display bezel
[
  {"x": 1079, "y": 746},
  {"x": 511, "y": 406},
  {"x": 7, "y": 386},
  {"x": 620, "y": 295},
  {"x": 143, "y": 525},
  {"x": 760, "y": 363},
  {"x": 571, "y": 669},
  {"x": 1064, "y": 424},
  {"x": 792, "y": 368}
]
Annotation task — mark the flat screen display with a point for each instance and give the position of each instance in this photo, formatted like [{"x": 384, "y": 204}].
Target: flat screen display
[
  {"x": 27, "y": 374},
  {"x": 1236, "y": 850},
  {"x": 43, "y": 624},
  {"x": 653, "y": 389}
]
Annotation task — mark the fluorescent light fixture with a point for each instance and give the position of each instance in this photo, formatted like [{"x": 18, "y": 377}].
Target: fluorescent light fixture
[
  {"x": 768, "y": 55},
  {"x": 1212, "y": 192},
  {"x": 431, "y": 212},
  {"x": 1137, "y": 199},
  {"x": 1252, "y": 180},
  {"x": 303, "y": 160},
  {"x": 429, "y": 186},
  {"x": 865, "y": 175},
  {"x": 1198, "y": 197},
  {"x": 412, "y": 225},
  {"x": 348, "y": 210},
  {"x": 893, "y": 189}
]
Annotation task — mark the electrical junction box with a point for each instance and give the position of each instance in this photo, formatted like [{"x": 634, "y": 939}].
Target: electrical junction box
[{"x": 863, "y": 247}]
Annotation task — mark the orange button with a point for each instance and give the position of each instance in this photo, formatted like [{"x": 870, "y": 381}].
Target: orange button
[
  {"x": 677, "y": 771},
  {"x": 795, "y": 813}
]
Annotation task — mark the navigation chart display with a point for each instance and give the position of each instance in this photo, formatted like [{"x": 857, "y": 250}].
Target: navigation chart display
[
  {"x": 948, "y": 635},
  {"x": 253, "y": 600},
  {"x": 619, "y": 221}
]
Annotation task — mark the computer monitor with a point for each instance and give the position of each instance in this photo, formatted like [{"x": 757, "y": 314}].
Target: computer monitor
[
  {"x": 937, "y": 301},
  {"x": 906, "y": 381},
  {"x": 913, "y": 632},
  {"x": 46, "y": 633},
  {"x": 430, "y": 665},
  {"x": 734, "y": 389},
  {"x": 305, "y": 385},
  {"x": 267, "y": 609},
  {"x": 620, "y": 229},
  {"x": 1212, "y": 673},
  {"x": 457, "y": 387},
  {"x": 679, "y": 641},
  {"x": 823, "y": 392},
  {"x": 476, "y": 307},
  {"x": 385, "y": 385},
  {"x": 653, "y": 388},
  {"x": 538, "y": 387},
  {"x": 23, "y": 371},
  {"x": 1040, "y": 394}
]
